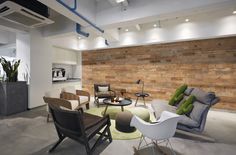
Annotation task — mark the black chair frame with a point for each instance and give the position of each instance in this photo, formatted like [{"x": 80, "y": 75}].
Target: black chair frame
[{"x": 82, "y": 136}]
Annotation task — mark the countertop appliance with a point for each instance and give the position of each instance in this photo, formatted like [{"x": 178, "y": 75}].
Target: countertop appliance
[{"x": 58, "y": 74}]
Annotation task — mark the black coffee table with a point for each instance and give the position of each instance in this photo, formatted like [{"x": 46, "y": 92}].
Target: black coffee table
[
  {"x": 142, "y": 95},
  {"x": 121, "y": 103}
]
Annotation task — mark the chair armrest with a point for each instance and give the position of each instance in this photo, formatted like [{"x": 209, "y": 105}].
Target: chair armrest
[
  {"x": 106, "y": 118},
  {"x": 113, "y": 92},
  {"x": 69, "y": 96},
  {"x": 82, "y": 93},
  {"x": 80, "y": 110}
]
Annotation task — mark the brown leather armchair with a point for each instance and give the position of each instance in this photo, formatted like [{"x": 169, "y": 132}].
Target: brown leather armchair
[
  {"x": 102, "y": 91},
  {"x": 76, "y": 97}
]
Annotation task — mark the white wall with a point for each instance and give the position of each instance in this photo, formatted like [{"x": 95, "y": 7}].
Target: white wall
[
  {"x": 23, "y": 53},
  {"x": 41, "y": 68},
  {"x": 201, "y": 26}
]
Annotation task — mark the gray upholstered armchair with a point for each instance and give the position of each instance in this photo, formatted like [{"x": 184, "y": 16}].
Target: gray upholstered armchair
[
  {"x": 102, "y": 91},
  {"x": 194, "y": 121}
]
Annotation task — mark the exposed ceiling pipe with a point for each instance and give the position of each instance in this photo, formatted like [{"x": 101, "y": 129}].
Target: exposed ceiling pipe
[
  {"x": 79, "y": 31},
  {"x": 73, "y": 10}
]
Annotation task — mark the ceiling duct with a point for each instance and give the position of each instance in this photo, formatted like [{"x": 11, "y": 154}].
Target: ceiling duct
[{"x": 28, "y": 13}]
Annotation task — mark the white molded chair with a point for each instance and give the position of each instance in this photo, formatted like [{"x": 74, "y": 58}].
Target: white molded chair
[{"x": 158, "y": 132}]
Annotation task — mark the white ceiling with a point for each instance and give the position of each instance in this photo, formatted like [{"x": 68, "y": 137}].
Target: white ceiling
[{"x": 139, "y": 15}]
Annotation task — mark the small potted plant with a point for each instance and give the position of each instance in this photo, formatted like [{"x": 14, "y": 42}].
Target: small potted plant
[
  {"x": 10, "y": 68},
  {"x": 13, "y": 93}
]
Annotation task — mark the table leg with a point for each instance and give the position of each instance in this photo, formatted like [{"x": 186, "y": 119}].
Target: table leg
[
  {"x": 144, "y": 101},
  {"x": 136, "y": 101},
  {"x": 122, "y": 108},
  {"x": 105, "y": 110}
]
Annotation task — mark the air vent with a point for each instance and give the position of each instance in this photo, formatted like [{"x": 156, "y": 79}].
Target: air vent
[
  {"x": 5, "y": 8},
  {"x": 16, "y": 13}
]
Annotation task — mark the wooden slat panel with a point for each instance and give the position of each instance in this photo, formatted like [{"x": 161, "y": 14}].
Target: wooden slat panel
[{"x": 207, "y": 64}]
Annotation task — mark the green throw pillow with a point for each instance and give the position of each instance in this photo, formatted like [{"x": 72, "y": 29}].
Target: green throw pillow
[
  {"x": 178, "y": 96},
  {"x": 187, "y": 106}
]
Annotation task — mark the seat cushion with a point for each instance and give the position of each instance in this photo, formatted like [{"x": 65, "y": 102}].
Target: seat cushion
[
  {"x": 83, "y": 99},
  {"x": 198, "y": 111},
  {"x": 74, "y": 104}
]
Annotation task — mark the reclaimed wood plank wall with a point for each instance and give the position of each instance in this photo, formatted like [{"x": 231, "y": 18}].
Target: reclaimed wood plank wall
[{"x": 208, "y": 64}]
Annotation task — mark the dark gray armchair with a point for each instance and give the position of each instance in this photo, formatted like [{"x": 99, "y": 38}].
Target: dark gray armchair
[{"x": 102, "y": 91}]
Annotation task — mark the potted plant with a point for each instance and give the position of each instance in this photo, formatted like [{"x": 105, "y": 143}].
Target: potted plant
[{"x": 13, "y": 93}]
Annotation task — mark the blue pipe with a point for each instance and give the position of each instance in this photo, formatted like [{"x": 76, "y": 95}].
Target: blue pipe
[
  {"x": 78, "y": 30},
  {"x": 106, "y": 42},
  {"x": 73, "y": 10}
]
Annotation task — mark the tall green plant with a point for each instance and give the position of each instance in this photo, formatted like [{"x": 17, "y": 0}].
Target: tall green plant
[{"x": 10, "y": 68}]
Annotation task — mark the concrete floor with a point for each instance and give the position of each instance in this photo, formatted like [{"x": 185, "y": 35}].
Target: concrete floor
[{"x": 28, "y": 133}]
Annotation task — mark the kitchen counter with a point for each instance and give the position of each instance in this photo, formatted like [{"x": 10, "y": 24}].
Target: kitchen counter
[{"x": 67, "y": 81}]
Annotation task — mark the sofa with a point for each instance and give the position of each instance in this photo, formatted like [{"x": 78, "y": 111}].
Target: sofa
[{"x": 195, "y": 120}]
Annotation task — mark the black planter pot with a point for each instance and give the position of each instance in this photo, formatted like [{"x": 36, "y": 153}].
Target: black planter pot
[{"x": 13, "y": 97}]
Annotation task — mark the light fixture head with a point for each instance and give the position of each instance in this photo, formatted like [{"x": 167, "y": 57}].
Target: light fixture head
[
  {"x": 126, "y": 30},
  {"x": 234, "y": 12},
  {"x": 155, "y": 25},
  {"x": 119, "y": 1},
  {"x": 138, "y": 81},
  {"x": 79, "y": 38},
  {"x": 186, "y": 20}
]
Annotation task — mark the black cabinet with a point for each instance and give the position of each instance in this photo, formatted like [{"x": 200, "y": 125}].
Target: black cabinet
[{"x": 13, "y": 97}]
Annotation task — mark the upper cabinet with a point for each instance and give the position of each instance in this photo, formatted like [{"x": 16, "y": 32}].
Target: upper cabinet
[{"x": 63, "y": 56}]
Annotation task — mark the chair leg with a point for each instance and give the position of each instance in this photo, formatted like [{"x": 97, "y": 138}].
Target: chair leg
[
  {"x": 48, "y": 117},
  {"x": 136, "y": 101},
  {"x": 87, "y": 147},
  {"x": 109, "y": 135},
  {"x": 55, "y": 145},
  {"x": 87, "y": 106},
  {"x": 144, "y": 101},
  {"x": 172, "y": 150}
]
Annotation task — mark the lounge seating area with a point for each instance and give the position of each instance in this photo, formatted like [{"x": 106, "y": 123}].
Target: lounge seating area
[{"x": 117, "y": 77}]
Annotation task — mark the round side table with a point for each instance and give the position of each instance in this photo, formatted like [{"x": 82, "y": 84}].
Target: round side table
[{"x": 142, "y": 95}]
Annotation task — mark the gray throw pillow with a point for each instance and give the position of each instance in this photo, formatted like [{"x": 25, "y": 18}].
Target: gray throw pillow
[
  {"x": 188, "y": 91},
  {"x": 103, "y": 88},
  {"x": 198, "y": 111},
  {"x": 202, "y": 96}
]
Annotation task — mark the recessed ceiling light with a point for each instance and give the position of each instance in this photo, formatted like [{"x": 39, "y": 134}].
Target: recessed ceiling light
[
  {"x": 79, "y": 37},
  {"x": 119, "y": 1},
  {"x": 234, "y": 12},
  {"x": 187, "y": 20},
  {"x": 126, "y": 30},
  {"x": 155, "y": 25}
]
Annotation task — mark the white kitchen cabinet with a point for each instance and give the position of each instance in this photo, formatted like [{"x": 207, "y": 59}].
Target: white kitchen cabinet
[
  {"x": 60, "y": 85},
  {"x": 63, "y": 56}
]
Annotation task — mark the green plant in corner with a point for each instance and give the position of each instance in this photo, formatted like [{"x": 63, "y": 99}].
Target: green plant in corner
[{"x": 10, "y": 68}]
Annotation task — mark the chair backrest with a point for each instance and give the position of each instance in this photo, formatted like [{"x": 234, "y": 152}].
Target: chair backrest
[
  {"x": 67, "y": 122},
  {"x": 164, "y": 129},
  {"x": 101, "y": 85},
  {"x": 69, "y": 89}
]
